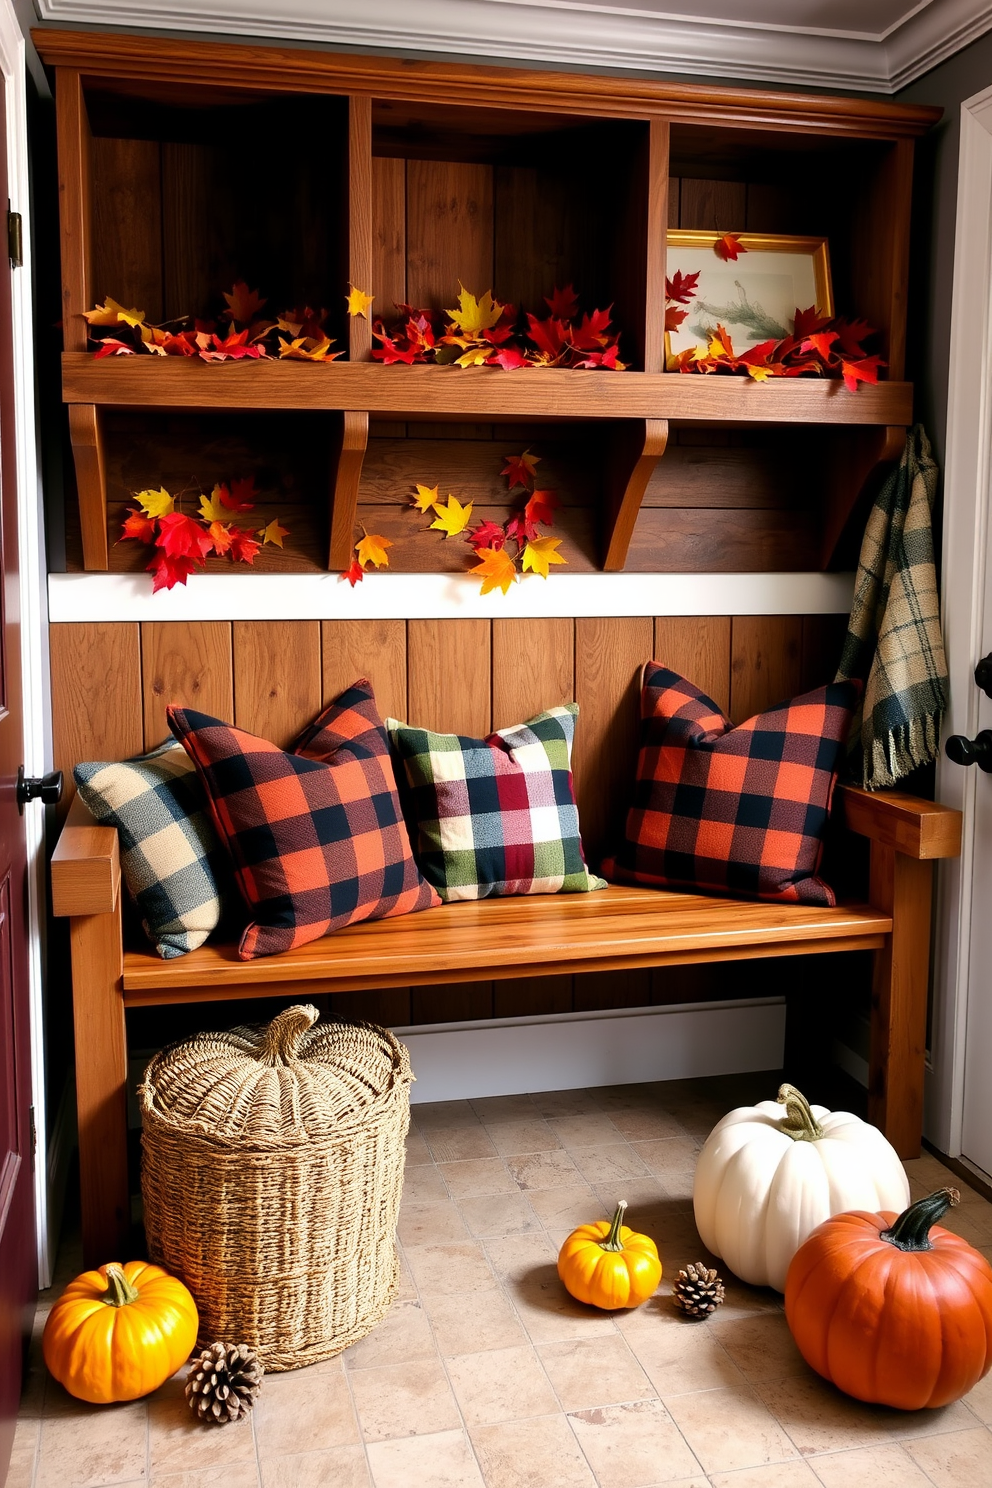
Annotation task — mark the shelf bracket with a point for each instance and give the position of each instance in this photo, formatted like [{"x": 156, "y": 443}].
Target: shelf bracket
[
  {"x": 353, "y": 439},
  {"x": 858, "y": 466},
  {"x": 86, "y": 438},
  {"x": 636, "y": 449}
]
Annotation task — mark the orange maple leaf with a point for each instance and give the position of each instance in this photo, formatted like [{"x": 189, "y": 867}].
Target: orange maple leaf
[
  {"x": 372, "y": 549},
  {"x": 541, "y": 507},
  {"x": 496, "y": 569},
  {"x": 273, "y": 533},
  {"x": 729, "y": 247},
  {"x": 243, "y": 304}
]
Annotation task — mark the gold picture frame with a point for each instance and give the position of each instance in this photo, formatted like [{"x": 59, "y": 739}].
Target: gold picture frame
[{"x": 775, "y": 276}]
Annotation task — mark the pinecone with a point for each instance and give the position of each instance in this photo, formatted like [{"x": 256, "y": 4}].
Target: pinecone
[
  {"x": 223, "y": 1382},
  {"x": 697, "y": 1291}
]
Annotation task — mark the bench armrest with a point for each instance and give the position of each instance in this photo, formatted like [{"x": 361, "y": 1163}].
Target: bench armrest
[
  {"x": 86, "y": 866},
  {"x": 916, "y": 828}
]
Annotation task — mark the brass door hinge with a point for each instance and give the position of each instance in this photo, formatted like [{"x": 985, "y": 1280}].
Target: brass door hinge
[{"x": 15, "y": 242}]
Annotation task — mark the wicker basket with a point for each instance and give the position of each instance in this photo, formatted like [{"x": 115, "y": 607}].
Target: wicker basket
[{"x": 272, "y": 1167}]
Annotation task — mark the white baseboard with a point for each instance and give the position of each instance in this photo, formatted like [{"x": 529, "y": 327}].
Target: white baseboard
[
  {"x": 571, "y": 1051},
  {"x": 62, "y": 1139}
]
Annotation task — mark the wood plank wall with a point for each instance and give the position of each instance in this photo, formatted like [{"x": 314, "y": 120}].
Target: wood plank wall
[{"x": 111, "y": 683}]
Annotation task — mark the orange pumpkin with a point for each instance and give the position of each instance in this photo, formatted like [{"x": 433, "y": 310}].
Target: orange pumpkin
[
  {"x": 119, "y": 1332},
  {"x": 892, "y": 1310},
  {"x": 608, "y": 1265}
]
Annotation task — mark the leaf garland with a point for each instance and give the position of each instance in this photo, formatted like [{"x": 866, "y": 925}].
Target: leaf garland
[
  {"x": 484, "y": 332},
  {"x": 183, "y": 543},
  {"x": 820, "y": 346},
  {"x": 297, "y": 334}
]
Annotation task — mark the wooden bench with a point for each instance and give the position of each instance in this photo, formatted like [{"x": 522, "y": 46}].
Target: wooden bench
[{"x": 541, "y": 935}]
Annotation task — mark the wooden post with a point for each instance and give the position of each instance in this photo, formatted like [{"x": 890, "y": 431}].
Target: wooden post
[
  {"x": 901, "y": 886},
  {"x": 86, "y": 438},
  {"x": 347, "y": 477},
  {"x": 637, "y": 448}
]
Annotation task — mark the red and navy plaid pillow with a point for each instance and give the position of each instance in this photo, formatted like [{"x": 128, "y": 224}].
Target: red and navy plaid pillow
[
  {"x": 316, "y": 834},
  {"x": 732, "y": 810}
]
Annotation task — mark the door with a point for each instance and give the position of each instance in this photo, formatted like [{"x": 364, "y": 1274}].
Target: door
[{"x": 18, "y": 1254}]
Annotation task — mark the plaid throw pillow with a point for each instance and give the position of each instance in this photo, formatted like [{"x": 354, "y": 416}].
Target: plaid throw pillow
[
  {"x": 733, "y": 810},
  {"x": 171, "y": 859},
  {"x": 315, "y": 834},
  {"x": 495, "y": 815}
]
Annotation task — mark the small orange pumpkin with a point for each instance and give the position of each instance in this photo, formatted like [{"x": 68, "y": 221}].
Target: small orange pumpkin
[
  {"x": 119, "y": 1332},
  {"x": 890, "y": 1310},
  {"x": 608, "y": 1265}
]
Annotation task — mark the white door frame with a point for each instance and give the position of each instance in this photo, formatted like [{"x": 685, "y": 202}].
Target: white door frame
[
  {"x": 31, "y": 599},
  {"x": 967, "y": 492}
]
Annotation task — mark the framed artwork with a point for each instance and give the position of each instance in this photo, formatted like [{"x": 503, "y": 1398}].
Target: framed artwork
[{"x": 756, "y": 296}]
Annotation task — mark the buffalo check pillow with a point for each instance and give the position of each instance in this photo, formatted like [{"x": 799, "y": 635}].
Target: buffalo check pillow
[
  {"x": 171, "y": 859},
  {"x": 495, "y": 815},
  {"x": 315, "y": 834},
  {"x": 733, "y": 810}
]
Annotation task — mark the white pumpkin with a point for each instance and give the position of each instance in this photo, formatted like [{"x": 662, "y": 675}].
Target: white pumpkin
[{"x": 769, "y": 1174}]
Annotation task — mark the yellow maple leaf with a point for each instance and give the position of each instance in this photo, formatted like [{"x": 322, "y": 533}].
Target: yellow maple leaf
[
  {"x": 452, "y": 518},
  {"x": 476, "y": 356},
  {"x": 273, "y": 533},
  {"x": 358, "y": 301},
  {"x": 372, "y": 549},
  {"x": 307, "y": 349},
  {"x": 212, "y": 508},
  {"x": 539, "y": 553},
  {"x": 760, "y": 374},
  {"x": 474, "y": 316},
  {"x": 497, "y": 569},
  {"x": 110, "y": 313},
  {"x": 155, "y": 503},
  {"x": 425, "y": 498}
]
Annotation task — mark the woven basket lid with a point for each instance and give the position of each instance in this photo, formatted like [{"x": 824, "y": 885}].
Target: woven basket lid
[{"x": 275, "y": 1085}]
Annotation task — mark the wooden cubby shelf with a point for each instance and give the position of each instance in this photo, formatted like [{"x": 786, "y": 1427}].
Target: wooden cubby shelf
[{"x": 403, "y": 178}]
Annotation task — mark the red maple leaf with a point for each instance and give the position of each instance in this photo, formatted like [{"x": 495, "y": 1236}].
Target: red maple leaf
[
  {"x": 607, "y": 358},
  {"x": 809, "y": 322},
  {"x": 243, "y": 546},
  {"x": 541, "y": 507},
  {"x": 169, "y": 571},
  {"x": 235, "y": 494},
  {"x": 864, "y": 371},
  {"x": 354, "y": 573},
  {"x": 233, "y": 347},
  {"x": 180, "y": 537},
  {"x": 138, "y": 525},
  {"x": 681, "y": 287},
  {"x": 851, "y": 333},
  {"x": 111, "y": 347},
  {"x": 564, "y": 303},
  {"x": 510, "y": 358},
  {"x": 519, "y": 469},
  {"x": 389, "y": 352},
  {"x": 487, "y": 535},
  {"x": 729, "y": 247},
  {"x": 521, "y": 527},
  {"x": 674, "y": 317},
  {"x": 592, "y": 331},
  {"x": 821, "y": 343},
  {"x": 549, "y": 336}
]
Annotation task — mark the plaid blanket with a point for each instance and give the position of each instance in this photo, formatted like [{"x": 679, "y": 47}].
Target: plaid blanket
[{"x": 893, "y": 643}]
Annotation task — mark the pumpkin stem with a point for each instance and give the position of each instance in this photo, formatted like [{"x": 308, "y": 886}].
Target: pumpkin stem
[
  {"x": 119, "y": 1290},
  {"x": 282, "y": 1037},
  {"x": 911, "y": 1230},
  {"x": 800, "y": 1124},
  {"x": 613, "y": 1241}
]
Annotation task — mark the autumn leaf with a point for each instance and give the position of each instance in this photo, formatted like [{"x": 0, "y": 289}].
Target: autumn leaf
[
  {"x": 358, "y": 301},
  {"x": 179, "y": 536},
  {"x": 541, "y": 507},
  {"x": 476, "y": 356},
  {"x": 372, "y": 549},
  {"x": 475, "y": 315},
  {"x": 243, "y": 304},
  {"x": 758, "y": 373},
  {"x": 110, "y": 313},
  {"x": 354, "y": 573},
  {"x": 521, "y": 528},
  {"x": 308, "y": 349},
  {"x": 243, "y": 546},
  {"x": 109, "y": 346},
  {"x": 425, "y": 498},
  {"x": 864, "y": 371},
  {"x": 729, "y": 247},
  {"x": 488, "y": 534},
  {"x": 564, "y": 303},
  {"x": 212, "y": 507},
  {"x": 235, "y": 494},
  {"x": 674, "y": 317},
  {"x": 539, "y": 553},
  {"x": 496, "y": 569},
  {"x": 681, "y": 287},
  {"x": 453, "y": 518},
  {"x": 273, "y": 533},
  {"x": 155, "y": 503},
  {"x": 519, "y": 469},
  {"x": 220, "y": 536},
  {"x": 509, "y": 358},
  {"x": 136, "y": 524},
  {"x": 169, "y": 571},
  {"x": 591, "y": 332}
]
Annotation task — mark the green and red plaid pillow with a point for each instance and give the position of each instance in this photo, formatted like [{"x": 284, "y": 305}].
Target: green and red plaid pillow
[
  {"x": 732, "y": 810},
  {"x": 494, "y": 815},
  {"x": 315, "y": 834}
]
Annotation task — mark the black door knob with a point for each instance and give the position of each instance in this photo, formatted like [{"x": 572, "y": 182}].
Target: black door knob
[
  {"x": 983, "y": 675},
  {"x": 47, "y": 788},
  {"x": 977, "y": 751}
]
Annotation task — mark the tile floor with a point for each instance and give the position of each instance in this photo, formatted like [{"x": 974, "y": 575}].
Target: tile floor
[{"x": 486, "y": 1373}]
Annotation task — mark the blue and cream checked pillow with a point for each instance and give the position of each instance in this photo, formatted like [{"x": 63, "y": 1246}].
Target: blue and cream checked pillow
[
  {"x": 171, "y": 858},
  {"x": 494, "y": 815}
]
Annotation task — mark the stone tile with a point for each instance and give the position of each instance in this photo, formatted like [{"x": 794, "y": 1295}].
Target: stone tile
[
  {"x": 103, "y": 1444},
  {"x": 433, "y": 1114},
  {"x": 498, "y": 1214},
  {"x": 494, "y": 1108},
  {"x": 430, "y": 1223},
  {"x": 466, "y": 1325},
  {"x": 565, "y": 1103},
  {"x": 423, "y": 1184},
  {"x": 819, "y": 1418},
  {"x": 961, "y": 1459},
  {"x": 729, "y": 1429},
  {"x": 565, "y": 1207},
  {"x": 550, "y": 1315},
  {"x": 979, "y": 1398},
  {"x": 304, "y": 1410},
  {"x": 633, "y": 1445},
  {"x": 973, "y": 1223},
  {"x": 592, "y": 1129},
  {"x": 439, "y": 1270},
  {"x": 338, "y": 1467},
  {"x": 613, "y": 1163},
  {"x": 647, "y": 1125},
  {"x": 457, "y": 1143},
  {"x": 531, "y": 1454},
  {"x": 544, "y": 1170},
  {"x": 177, "y": 1442},
  {"x": 677, "y": 1356},
  {"x": 243, "y": 1475},
  {"x": 771, "y": 1475},
  {"x": 761, "y": 1346},
  {"x": 501, "y": 1385},
  {"x": 887, "y": 1466},
  {"x": 518, "y": 1138},
  {"x": 480, "y": 1175},
  {"x": 23, "y": 1453},
  {"x": 417, "y": 1150},
  {"x": 443, "y": 1460},
  {"x": 403, "y": 1400},
  {"x": 628, "y": 1097},
  {"x": 403, "y": 1335},
  {"x": 587, "y": 1372},
  {"x": 669, "y": 1155}
]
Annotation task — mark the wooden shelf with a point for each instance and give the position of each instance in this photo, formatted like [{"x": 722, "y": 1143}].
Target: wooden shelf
[{"x": 476, "y": 392}]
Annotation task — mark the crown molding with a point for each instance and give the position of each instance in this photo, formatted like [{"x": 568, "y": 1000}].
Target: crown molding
[{"x": 570, "y": 34}]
